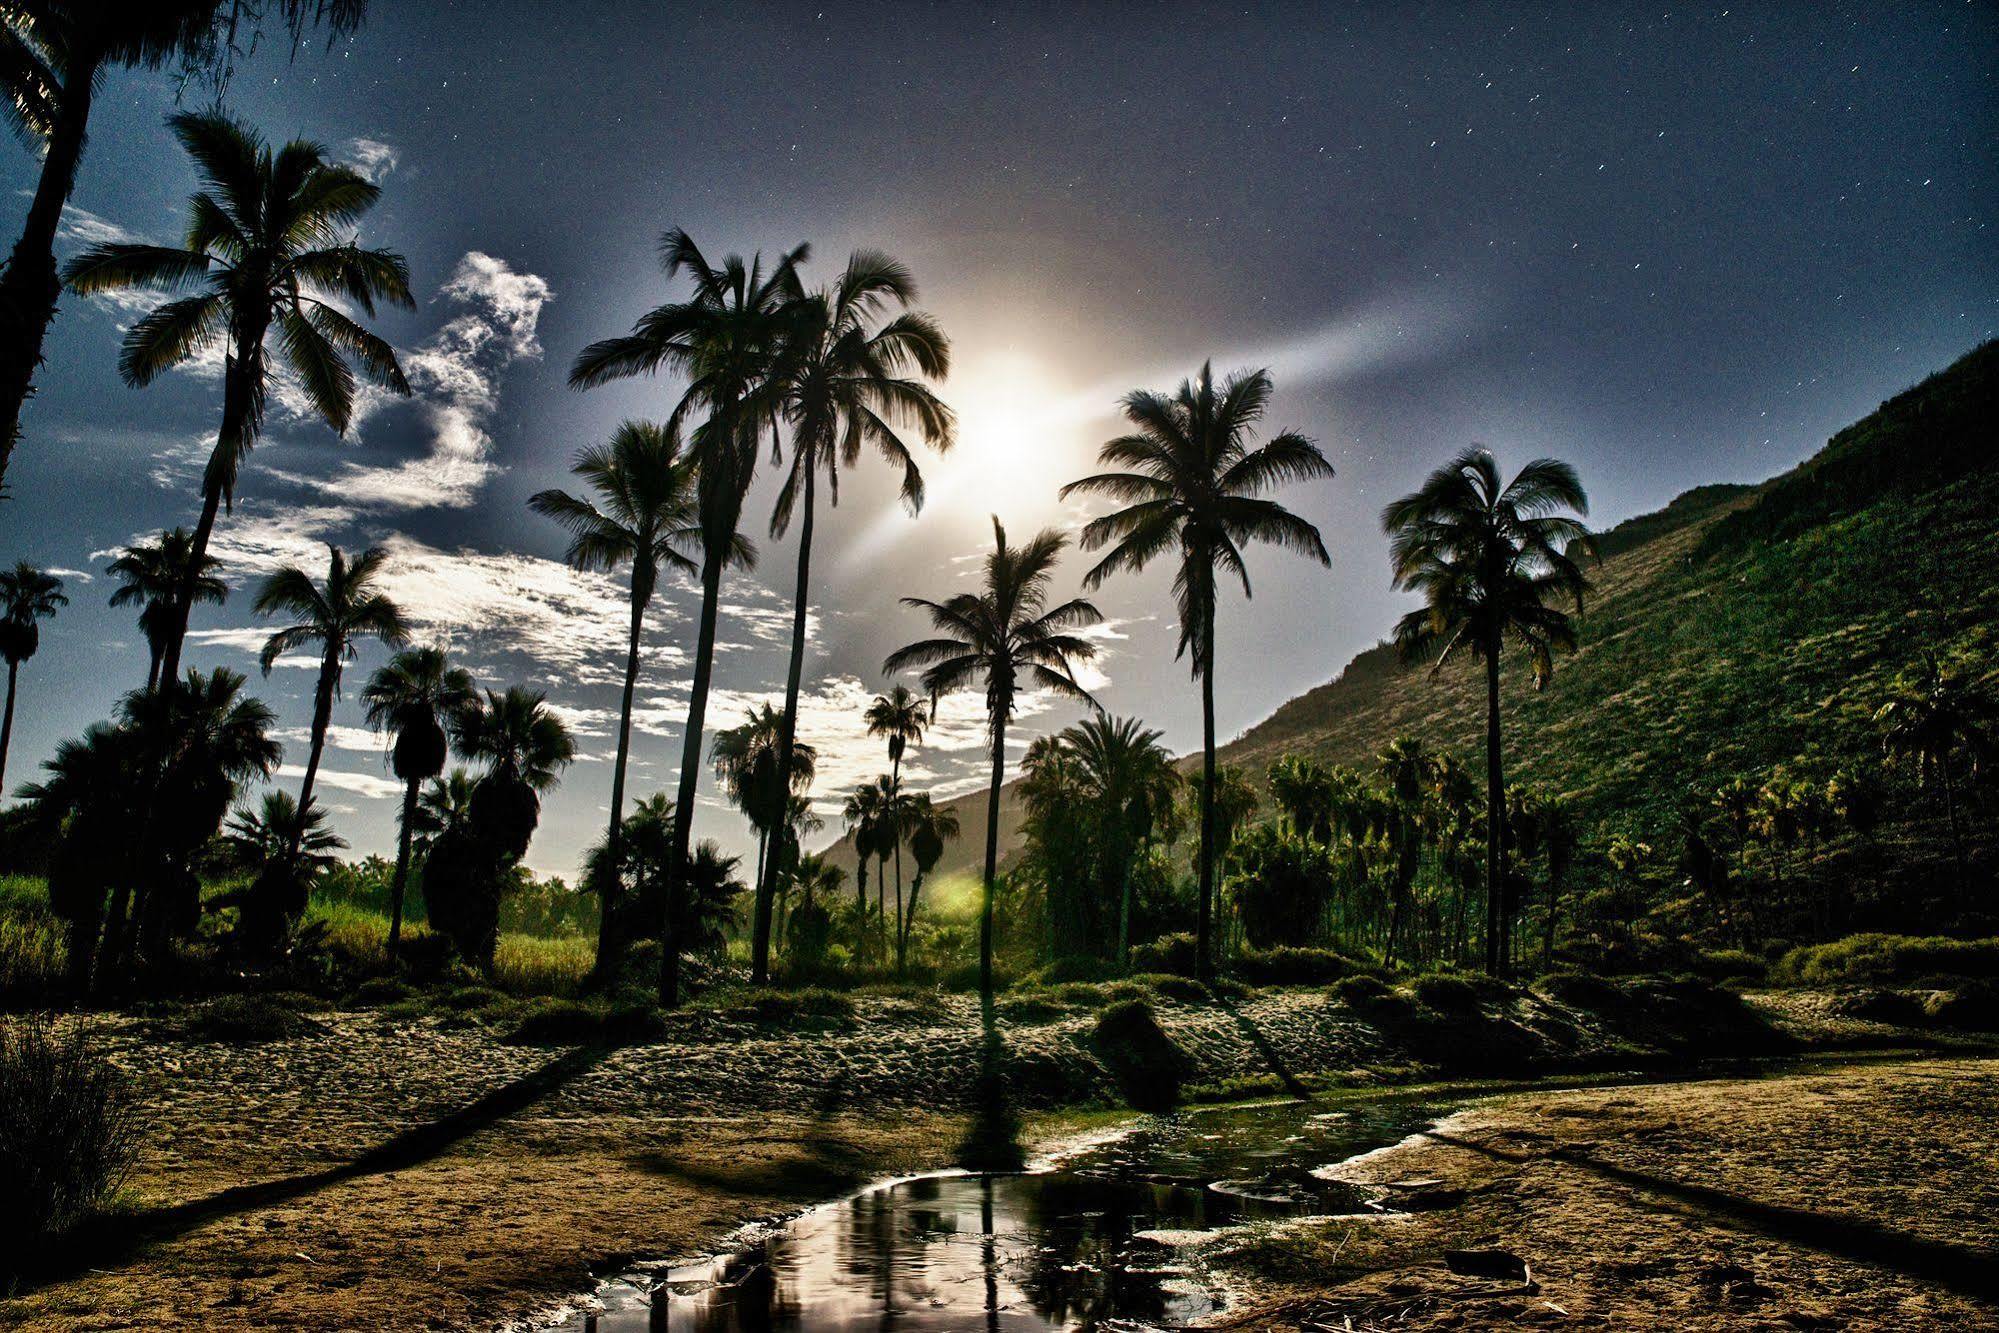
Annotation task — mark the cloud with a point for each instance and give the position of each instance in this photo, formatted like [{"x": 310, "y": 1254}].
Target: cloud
[
  {"x": 372, "y": 158},
  {"x": 81, "y": 227},
  {"x": 359, "y": 739},
  {"x": 361, "y": 784}
]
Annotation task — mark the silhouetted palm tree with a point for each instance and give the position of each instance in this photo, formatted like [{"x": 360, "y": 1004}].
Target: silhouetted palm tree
[
  {"x": 334, "y": 614},
  {"x": 899, "y": 717},
  {"x": 848, "y": 378},
  {"x": 413, "y": 697},
  {"x": 1192, "y": 485},
  {"x": 27, "y": 597},
  {"x": 265, "y": 836},
  {"x": 445, "y": 806},
  {"x": 152, "y": 575},
  {"x": 1004, "y": 636},
  {"x": 644, "y": 517},
  {"x": 1560, "y": 838},
  {"x": 53, "y": 58},
  {"x": 1490, "y": 558},
  {"x": 927, "y": 826},
  {"x": 746, "y": 764},
  {"x": 726, "y": 340},
  {"x": 866, "y": 817},
  {"x": 265, "y": 254},
  {"x": 1127, "y": 778},
  {"x": 1932, "y": 720}
]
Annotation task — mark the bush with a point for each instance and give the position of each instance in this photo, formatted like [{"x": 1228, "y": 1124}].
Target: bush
[
  {"x": 1148, "y": 1066},
  {"x": 1737, "y": 965},
  {"x": 1294, "y": 967},
  {"x": 1580, "y": 990},
  {"x": 1884, "y": 1006},
  {"x": 965, "y": 977},
  {"x": 1446, "y": 994},
  {"x": 68, "y": 1131},
  {"x": 1360, "y": 991},
  {"x": 1184, "y": 989},
  {"x": 809, "y": 1005},
  {"x": 543, "y": 965},
  {"x": 1029, "y": 1007},
  {"x": 378, "y": 991},
  {"x": 559, "y": 1022},
  {"x": 1076, "y": 967},
  {"x": 276, "y": 1016},
  {"x": 1878, "y": 959},
  {"x": 1175, "y": 954}
]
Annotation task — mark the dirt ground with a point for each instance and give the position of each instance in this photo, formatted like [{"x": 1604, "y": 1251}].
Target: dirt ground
[{"x": 1864, "y": 1196}]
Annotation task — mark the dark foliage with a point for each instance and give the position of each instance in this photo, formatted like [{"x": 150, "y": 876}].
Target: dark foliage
[{"x": 1147, "y": 1064}]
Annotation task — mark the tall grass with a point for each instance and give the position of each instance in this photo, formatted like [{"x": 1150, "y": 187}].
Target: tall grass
[
  {"x": 522, "y": 964},
  {"x": 33, "y": 951}
]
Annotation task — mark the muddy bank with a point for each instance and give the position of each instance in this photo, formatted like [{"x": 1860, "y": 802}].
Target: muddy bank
[
  {"x": 399, "y": 1174},
  {"x": 1863, "y": 1196}
]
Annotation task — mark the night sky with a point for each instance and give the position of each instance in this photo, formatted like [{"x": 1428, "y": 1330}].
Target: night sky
[{"x": 1672, "y": 245}]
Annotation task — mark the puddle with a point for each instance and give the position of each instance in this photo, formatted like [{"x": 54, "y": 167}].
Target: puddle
[{"x": 1088, "y": 1245}]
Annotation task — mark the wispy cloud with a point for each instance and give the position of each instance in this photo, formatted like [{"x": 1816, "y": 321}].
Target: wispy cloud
[{"x": 372, "y": 158}]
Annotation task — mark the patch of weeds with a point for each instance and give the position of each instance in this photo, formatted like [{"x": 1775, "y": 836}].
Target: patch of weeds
[
  {"x": 1029, "y": 1007},
  {"x": 1358, "y": 992},
  {"x": 252, "y": 1018},
  {"x": 376, "y": 992},
  {"x": 560, "y": 1022},
  {"x": 1294, "y": 967},
  {"x": 1446, "y": 994},
  {"x": 1184, "y": 989},
  {"x": 469, "y": 997}
]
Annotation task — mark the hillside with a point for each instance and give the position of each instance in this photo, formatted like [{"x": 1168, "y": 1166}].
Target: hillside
[{"x": 1733, "y": 631}]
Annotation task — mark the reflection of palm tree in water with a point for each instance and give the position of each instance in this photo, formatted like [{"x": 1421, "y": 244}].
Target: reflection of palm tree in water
[{"x": 988, "y": 1253}]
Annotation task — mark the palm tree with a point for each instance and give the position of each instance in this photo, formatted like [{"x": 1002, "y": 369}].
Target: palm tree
[
  {"x": 746, "y": 764},
  {"x": 1931, "y": 720},
  {"x": 866, "y": 818},
  {"x": 726, "y": 339},
  {"x": 444, "y": 808},
  {"x": 899, "y": 717},
  {"x": 151, "y": 575},
  {"x": 1128, "y": 779},
  {"x": 644, "y": 518},
  {"x": 846, "y": 381},
  {"x": 1003, "y": 636},
  {"x": 412, "y": 697},
  {"x": 266, "y": 835},
  {"x": 1490, "y": 558},
  {"x": 334, "y": 614},
  {"x": 928, "y": 827},
  {"x": 1560, "y": 839},
  {"x": 264, "y": 253},
  {"x": 1192, "y": 483},
  {"x": 27, "y": 596}
]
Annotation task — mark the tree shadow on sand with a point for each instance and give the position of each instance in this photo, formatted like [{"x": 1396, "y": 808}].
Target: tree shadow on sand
[
  {"x": 1958, "y": 1268},
  {"x": 992, "y": 1139}
]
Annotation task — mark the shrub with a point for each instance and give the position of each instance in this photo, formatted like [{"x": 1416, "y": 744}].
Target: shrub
[
  {"x": 1580, "y": 990},
  {"x": 1079, "y": 994},
  {"x": 1148, "y": 1066},
  {"x": 253, "y": 1018},
  {"x": 68, "y": 1130},
  {"x": 560, "y": 1022},
  {"x": 1184, "y": 989},
  {"x": 1728, "y": 965},
  {"x": 1076, "y": 967},
  {"x": 811, "y": 1004},
  {"x": 1361, "y": 990},
  {"x": 470, "y": 997},
  {"x": 1884, "y": 1006},
  {"x": 1175, "y": 954},
  {"x": 1031, "y": 1006},
  {"x": 1294, "y": 967},
  {"x": 378, "y": 991},
  {"x": 1446, "y": 994},
  {"x": 965, "y": 977},
  {"x": 1877, "y": 959}
]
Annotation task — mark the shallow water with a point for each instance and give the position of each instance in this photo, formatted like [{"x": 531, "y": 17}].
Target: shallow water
[{"x": 1071, "y": 1248}]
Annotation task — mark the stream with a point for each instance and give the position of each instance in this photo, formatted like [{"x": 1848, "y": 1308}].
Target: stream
[{"x": 1085, "y": 1245}]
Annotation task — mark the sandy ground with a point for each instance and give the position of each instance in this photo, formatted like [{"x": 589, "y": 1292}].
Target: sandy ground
[{"x": 1864, "y": 1196}]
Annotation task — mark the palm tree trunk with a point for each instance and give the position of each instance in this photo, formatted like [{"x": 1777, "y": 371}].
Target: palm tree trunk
[
  {"x": 690, "y": 773},
  {"x": 1548, "y": 930},
  {"x": 7, "y": 725},
  {"x": 992, "y": 867},
  {"x": 909, "y": 921},
  {"x": 607, "y": 936},
  {"x": 396, "y": 889},
  {"x": 895, "y": 841},
  {"x": 1124, "y": 920},
  {"x": 1203, "y": 964},
  {"x": 1495, "y": 820},
  {"x": 153, "y": 668},
  {"x": 29, "y": 287},
  {"x": 787, "y": 731},
  {"x": 322, "y": 716}
]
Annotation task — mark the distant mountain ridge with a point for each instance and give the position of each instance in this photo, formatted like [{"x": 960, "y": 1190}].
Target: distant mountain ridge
[{"x": 1737, "y": 629}]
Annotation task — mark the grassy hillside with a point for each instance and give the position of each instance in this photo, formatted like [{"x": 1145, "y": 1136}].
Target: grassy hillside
[{"x": 1737, "y": 630}]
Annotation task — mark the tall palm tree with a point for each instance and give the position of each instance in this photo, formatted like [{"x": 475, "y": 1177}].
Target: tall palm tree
[
  {"x": 151, "y": 575},
  {"x": 644, "y": 517},
  {"x": 413, "y": 697},
  {"x": 746, "y": 764},
  {"x": 1128, "y": 779},
  {"x": 899, "y": 717},
  {"x": 267, "y": 252},
  {"x": 27, "y": 596},
  {"x": 726, "y": 340},
  {"x": 1491, "y": 560},
  {"x": 849, "y": 377},
  {"x": 1931, "y": 720},
  {"x": 1004, "y": 637},
  {"x": 927, "y": 827},
  {"x": 347, "y": 606},
  {"x": 1191, "y": 482},
  {"x": 53, "y": 57}
]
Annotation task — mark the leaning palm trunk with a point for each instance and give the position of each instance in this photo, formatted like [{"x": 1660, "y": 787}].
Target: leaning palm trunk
[
  {"x": 401, "y": 882},
  {"x": 322, "y": 717},
  {"x": 787, "y": 735},
  {"x": 690, "y": 771},
  {"x": 29, "y": 287}
]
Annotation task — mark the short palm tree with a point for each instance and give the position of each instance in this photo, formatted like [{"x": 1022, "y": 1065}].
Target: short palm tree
[
  {"x": 265, "y": 836},
  {"x": 1003, "y": 637},
  {"x": 27, "y": 597},
  {"x": 53, "y": 57},
  {"x": 899, "y": 717},
  {"x": 346, "y": 607},
  {"x": 413, "y": 697},
  {"x": 746, "y": 764},
  {"x": 1128, "y": 779},
  {"x": 726, "y": 340},
  {"x": 1931, "y": 721},
  {"x": 267, "y": 252},
  {"x": 151, "y": 575},
  {"x": 927, "y": 827},
  {"x": 1191, "y": 484},
  {"x": 865, "y": 815},
  {"x": 851, "y": 374},
  {"x": 445, "y": 806},
  {"x": 1492, "y": 561},
  {"x": 643, "y": 517},
  {"x": 524, "y": 747}
]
